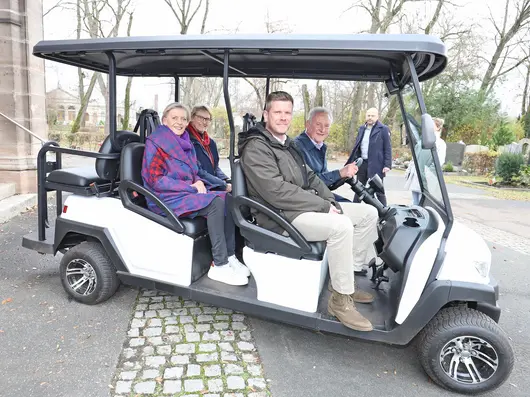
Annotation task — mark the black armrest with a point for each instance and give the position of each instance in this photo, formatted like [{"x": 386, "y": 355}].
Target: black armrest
[
  {"x": 300, "y": 241},
  {"x": 171, "y": 221}
]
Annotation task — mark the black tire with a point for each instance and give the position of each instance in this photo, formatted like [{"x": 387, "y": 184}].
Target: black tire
[
  {"x": 460, "y": 322},
  {"x": 92, "y": 256}
]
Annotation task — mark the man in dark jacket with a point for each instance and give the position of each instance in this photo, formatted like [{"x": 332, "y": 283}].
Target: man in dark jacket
[
  {"x": 277, "y": 176},
  {"x": 311, "y": 144},
  {"x": 373, "y": 145}
]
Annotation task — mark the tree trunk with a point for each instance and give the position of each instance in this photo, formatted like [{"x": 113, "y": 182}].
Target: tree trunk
[
  {"x": 307, "y": 100},
  {"x": 84, "y": 103},
  {"x": 505, "y": 35},
  {"x": 486, "y": 80},
  {"x": 525, "y": 91},
  {"x": 370, "y": 98},
  {"x": 391, "y": 119},
  {"x": 319, "y": 95},
  {"x": 105, "y": 93},
  {"x": 435, "y": 17},
  {"x": 127, "y": 105},
  {"x": 127, "y": 101},
  {"x": 360, "y": 89}
]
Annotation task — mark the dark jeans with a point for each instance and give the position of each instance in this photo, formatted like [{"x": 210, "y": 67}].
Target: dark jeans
[
  {"x": 221, "y": 229},
  {"x": 362, "y": 176}
]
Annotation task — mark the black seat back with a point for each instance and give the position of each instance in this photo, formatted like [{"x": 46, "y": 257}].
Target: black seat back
[
  {"x": 148, "y": 121},
  {"x": 131, "y": 162},
  {"x": 131, "y": 168},
  {"x": 239, "y": 186},
  {"x": 108, "y": 169}
]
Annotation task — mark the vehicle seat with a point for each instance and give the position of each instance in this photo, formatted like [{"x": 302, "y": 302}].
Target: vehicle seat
[
  {"x": 261, "y": 239},
  {"x": 132, "y": 193},
  {"x": 105, "y": 170}
]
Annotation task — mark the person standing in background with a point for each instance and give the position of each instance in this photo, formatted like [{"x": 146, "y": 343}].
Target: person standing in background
[{"x": 373, "y": 145}]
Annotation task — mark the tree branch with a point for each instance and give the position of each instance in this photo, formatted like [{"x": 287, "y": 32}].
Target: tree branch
[
  {"x": 194, "y": 12},
  {"x": 206, "y": 9},
  {"x": 59, "y": 4}
]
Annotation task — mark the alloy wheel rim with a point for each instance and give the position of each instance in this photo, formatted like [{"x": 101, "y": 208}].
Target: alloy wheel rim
[
  {"x": 469, "y": 360},
  {"x": 81, "y": 277}
]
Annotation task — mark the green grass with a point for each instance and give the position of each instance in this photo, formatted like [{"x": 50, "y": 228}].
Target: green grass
[{"x": 503, "y": 194}]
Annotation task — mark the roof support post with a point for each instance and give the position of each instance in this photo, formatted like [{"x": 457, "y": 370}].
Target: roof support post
[
  {"x": 231, "y": 124},
  {"x": 177, "y": 88},
  {"x": 112, "y": 100}
]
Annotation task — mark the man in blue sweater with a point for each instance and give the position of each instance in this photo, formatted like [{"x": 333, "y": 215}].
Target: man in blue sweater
[{"x": 311, "y": 144}]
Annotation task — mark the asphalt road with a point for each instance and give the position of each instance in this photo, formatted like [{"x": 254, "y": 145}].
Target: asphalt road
[
  {"x": 51, "y": 346},
  {"x": 303, "y": 363}
]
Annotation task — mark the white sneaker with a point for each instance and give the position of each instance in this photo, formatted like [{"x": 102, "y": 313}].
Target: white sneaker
[
  {"x": 238, "y": 266},
  {"x": 227, "y": 274}
]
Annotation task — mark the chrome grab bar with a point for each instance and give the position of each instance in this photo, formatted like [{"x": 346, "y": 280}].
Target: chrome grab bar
[{"x": 24, "y": 128}]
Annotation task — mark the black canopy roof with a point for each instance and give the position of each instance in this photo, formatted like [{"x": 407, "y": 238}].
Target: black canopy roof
[{"x": 367, "y": 57}]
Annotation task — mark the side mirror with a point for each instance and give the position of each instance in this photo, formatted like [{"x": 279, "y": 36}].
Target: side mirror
[{"x": 428, "y": 138}]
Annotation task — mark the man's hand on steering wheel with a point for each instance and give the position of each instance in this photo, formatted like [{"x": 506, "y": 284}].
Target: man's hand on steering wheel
[{"x": 348, "y": 171}]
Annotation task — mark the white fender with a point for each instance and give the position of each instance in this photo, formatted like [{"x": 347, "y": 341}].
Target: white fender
[
  {"x": 419, "y": 271},
  {"x": 146, "y": 248},
  {"x": 467, "y": 258}
]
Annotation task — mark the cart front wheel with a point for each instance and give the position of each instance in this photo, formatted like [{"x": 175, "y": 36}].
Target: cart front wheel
[
  {"x": 87, "y": 273},
  {"x": 464, "y": 350}
]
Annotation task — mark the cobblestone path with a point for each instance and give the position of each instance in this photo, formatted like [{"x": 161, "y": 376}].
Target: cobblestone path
[{"x": 177, "y": 347}]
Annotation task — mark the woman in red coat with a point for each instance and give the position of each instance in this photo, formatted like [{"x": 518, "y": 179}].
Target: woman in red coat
[{"x": 170, "y": 172}]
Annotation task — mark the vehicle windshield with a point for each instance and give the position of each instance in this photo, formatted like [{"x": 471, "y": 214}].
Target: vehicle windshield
[{"x": 428, "y": 172}]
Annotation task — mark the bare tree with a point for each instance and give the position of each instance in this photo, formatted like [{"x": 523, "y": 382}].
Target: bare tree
[
  {"x": 185, "y": 12},
  {"x": 182, "y": 8},
  {"x": 60, "y": 4},
  {"x": 96, "y": 18},
  {"x": 526, "y": 88},
  {"x": 383, "y": 14},
  {"x": 505, "y": 35},
  {"x": 259, "y": 85}
]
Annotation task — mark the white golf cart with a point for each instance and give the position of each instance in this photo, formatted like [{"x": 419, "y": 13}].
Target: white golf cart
[{"x": 433, "y": 286}]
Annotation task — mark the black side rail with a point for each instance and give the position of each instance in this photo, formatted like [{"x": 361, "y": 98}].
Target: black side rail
[
  {"x": 44, "y": 167},
  {"x": 295, "y": 239},
  {"x": 170, "y": 221}
]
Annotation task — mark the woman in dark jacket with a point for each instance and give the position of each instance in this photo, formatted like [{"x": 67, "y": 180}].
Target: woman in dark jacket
[{"x": 206, "y": 149}]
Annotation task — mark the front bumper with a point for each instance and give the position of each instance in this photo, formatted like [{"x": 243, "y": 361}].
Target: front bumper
[{"x": 490, "y": 310}]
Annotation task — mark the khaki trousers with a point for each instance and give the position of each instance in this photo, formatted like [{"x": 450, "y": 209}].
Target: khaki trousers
[{"x": 350, "y": 237}]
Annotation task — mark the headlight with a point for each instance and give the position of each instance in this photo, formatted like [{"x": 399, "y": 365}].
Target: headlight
[{"x": 483, "y": 266}]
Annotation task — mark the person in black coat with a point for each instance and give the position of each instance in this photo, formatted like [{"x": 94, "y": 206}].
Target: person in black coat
[
  {"x": 206, "y": 149},
  {"x": 373, "y": 145}
]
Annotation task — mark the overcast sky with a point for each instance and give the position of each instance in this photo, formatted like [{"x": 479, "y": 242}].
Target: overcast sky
[{"x": 153, "y": 17}]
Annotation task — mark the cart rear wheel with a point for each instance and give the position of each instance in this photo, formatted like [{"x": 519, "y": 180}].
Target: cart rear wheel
[
  {"x": 87, "y": 273},
  {"x": 464, "y": 350}
]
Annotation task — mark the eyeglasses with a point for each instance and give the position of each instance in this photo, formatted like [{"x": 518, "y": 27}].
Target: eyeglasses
[{"x": 203, "y": 119}]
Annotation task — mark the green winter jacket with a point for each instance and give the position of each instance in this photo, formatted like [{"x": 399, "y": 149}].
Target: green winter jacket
[{"x": 278, "y": 177}]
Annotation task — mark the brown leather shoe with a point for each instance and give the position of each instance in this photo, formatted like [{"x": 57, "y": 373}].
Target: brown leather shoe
[
  {"x": 342, "y": 307},
  {"x": 361, "y": 296},
  {"x": 358, "y": 296}
]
